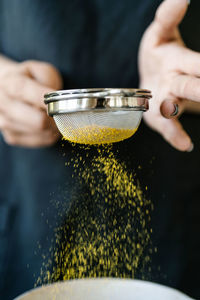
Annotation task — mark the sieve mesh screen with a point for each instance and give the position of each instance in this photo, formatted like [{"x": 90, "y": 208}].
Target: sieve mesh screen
[{"x": 98, "y": 127}]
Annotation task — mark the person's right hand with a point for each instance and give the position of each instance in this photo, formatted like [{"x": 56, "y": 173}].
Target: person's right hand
[
  {"x": 172, "y": 72},
  {"x": 23, "y": 115}
]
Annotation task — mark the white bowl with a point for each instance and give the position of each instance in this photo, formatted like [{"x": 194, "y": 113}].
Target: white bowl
[{"x": 103, "y": 289}]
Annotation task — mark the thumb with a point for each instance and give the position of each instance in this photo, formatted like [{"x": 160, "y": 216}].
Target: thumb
[
  {"x": 168, "y": 16},
  {"x": 171, "y": 130},
  {"x": 44, "y": 73}
]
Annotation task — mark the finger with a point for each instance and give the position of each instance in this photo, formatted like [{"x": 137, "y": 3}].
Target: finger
[
  {"x": 173, "y": 132},
  {"x": 21, "y": 115},
  {"x": 7, "y": 124},
  {"x": 172, "y": 108},
  {"x": 45, "y": 133},
  {"x": 27, "y": 140},
  {"x": 27, "y": 90},
  {"x": 45, "y": 73},
  {"x": 187, "y": 61},
  {"x": 186, "y": 87},
  {"x": 168, "y": 16}
]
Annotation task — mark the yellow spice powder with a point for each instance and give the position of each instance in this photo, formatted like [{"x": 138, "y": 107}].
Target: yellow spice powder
[
  {"x": 94, "y": 134},
  {"x": 106, "y": 232}
]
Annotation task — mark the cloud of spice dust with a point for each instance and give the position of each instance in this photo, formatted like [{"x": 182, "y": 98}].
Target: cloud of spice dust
[{"x": 106, "y": 232}]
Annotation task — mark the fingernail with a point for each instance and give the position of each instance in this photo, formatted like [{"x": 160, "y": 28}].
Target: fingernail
[
  {"x": 191, "y": 148},
  {"x": 175, "y": 113}
]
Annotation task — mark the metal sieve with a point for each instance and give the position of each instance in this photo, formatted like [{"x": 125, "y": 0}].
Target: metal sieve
[{"x": 97, "y": 116}]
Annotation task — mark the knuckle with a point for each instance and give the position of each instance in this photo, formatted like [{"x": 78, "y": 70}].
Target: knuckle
[
  {"x": 41, "y": 122},
  {"x": 52, "y": 138},
  {"x": 16, "y": 86},
  {"x": 7, "y": 75},
  {"x": 26, "y": 66},
  {"x": 3, "y": 124},
  {"x": 10, "y": 139}
]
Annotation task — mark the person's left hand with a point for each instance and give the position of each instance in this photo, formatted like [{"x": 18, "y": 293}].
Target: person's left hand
[
  {"x": 23, "y": 115},
  {"x": 171, "y": 71}
]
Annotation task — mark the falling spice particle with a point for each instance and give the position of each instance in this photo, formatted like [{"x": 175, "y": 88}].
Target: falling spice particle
[{"x": 106, "y": 230}]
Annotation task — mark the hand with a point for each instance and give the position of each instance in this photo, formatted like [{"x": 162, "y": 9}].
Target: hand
[
  {"x": 171, "y": 71},
  {"x": 23, "y": 116}
]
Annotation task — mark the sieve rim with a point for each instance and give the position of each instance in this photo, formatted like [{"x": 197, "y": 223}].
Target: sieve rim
[
  {"x": 95, "y": 92},
  {"x": 98, "y": 104}
]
